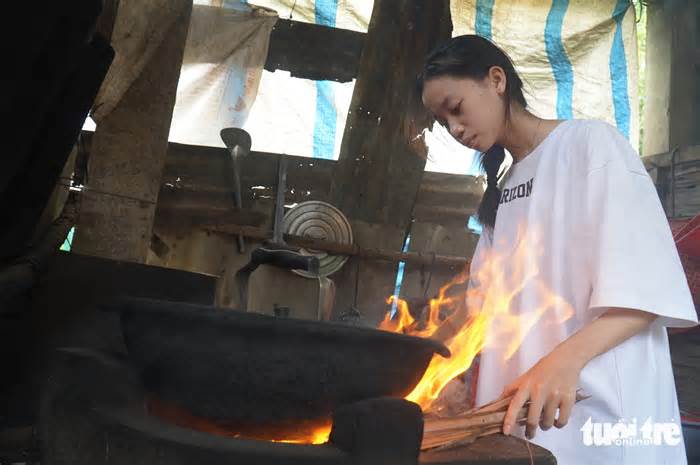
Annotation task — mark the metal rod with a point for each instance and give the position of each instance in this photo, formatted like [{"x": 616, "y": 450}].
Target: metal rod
[
  {"x": 278, "y": 232},
  {"x": 237, "y": 191},
  {"x": 238, "y": 143},
  {"x": 414, "y": 258}
]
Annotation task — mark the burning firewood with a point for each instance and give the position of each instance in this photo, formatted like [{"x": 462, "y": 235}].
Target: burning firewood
[{"x": 445, "y": 433}]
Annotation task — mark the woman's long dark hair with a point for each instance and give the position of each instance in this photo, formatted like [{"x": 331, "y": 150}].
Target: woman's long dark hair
[{"x": 472, "y": 56}]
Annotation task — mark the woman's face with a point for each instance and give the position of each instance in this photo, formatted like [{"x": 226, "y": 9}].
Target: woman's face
[{"x": 472, "y": 110}]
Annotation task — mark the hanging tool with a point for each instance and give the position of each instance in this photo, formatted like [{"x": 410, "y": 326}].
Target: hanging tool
[
  {"x": 238, "y": 143},
  {"x": 276, "y": 252}
]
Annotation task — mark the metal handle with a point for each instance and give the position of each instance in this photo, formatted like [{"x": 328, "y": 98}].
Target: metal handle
[{"x": 274, "y": 255}]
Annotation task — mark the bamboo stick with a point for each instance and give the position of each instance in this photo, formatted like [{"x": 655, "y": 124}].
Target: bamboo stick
[
  {"x": 444, "y": 433},
  {"x": 478, "y": 419}
]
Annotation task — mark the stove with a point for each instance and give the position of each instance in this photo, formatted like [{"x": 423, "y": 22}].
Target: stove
[{"x": 94, "y": 412}]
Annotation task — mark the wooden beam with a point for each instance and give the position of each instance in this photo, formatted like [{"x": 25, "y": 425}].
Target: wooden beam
[
  {"x": 316, "y": 52},
  {"x": 128, "y": 153},
  {"x": 196, "y": 187},
  {"x": 382, "y": 155}
]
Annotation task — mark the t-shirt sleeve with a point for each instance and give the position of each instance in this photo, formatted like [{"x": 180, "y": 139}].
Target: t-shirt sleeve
[{"x": 633, "y": 258}]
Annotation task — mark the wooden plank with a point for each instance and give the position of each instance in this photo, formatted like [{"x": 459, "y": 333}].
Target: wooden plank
[
  {"x": 312, "y": 51},
  {"x": 202, "y": 169},
  {"x": 447, "y": 199},
  {"x": 208, "y": 169},
  {"x": 198, "y": 178}
]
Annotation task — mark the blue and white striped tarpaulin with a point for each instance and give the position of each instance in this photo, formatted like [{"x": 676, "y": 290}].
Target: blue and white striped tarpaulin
[{"x": 578, "y": 59}]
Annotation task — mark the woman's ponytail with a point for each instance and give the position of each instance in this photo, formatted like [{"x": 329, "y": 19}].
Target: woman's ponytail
[{"x": 491, "y": 162}]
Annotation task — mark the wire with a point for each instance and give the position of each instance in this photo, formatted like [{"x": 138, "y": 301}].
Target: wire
[
  {"x": 294, "y": 5},
  {"x": 109, "y": 194}
]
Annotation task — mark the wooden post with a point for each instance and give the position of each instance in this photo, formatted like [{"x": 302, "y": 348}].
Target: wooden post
[
  {"x": 382, "y": 155},
  {"x": 127, "y": 157}
]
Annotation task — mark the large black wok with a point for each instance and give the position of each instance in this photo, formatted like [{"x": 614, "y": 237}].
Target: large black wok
[{"x": 249, "y": 370}]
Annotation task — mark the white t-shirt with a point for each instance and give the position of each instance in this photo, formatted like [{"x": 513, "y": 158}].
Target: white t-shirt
[{"x": 596, "y": 237}]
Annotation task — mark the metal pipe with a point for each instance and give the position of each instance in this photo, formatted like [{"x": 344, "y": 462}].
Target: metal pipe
[{"x": 278, "y": 231}]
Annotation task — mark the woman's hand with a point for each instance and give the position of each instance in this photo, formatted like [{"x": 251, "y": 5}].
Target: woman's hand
[{"x": 550, "y": 385}]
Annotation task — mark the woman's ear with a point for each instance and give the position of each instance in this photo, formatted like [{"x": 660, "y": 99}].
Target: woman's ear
[{"x": 497, "y": 77}]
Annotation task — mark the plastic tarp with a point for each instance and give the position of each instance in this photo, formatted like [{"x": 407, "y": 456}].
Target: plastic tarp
[
  {"x": 221, "y": 70},
  {"x": 578, "y": 59}
]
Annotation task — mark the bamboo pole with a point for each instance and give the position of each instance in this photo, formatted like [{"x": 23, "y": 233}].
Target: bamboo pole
[{"x": 446, "y": 433}]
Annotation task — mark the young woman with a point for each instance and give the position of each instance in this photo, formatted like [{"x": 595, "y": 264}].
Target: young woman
[{"x": 595, "y": 237}]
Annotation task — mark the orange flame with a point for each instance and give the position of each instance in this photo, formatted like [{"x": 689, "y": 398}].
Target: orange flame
[
  {"x": 318, "y": 436},
  {"x": 482, "y": 314},
  {"x": 483, "y": 318},
  {"x": 302, "y": 433}
]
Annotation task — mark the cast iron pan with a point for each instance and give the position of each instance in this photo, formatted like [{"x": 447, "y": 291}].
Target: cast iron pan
[{"x": 253, "y": 371}]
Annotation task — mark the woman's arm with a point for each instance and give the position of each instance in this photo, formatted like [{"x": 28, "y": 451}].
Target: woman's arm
[{"x": 551, "y": 384}]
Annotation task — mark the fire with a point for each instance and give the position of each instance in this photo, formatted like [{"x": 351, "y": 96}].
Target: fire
[
  {"x": 481, "y": 314},
  {"x": 317, "y": 436},
  {"x": 301, "y": 433}
]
